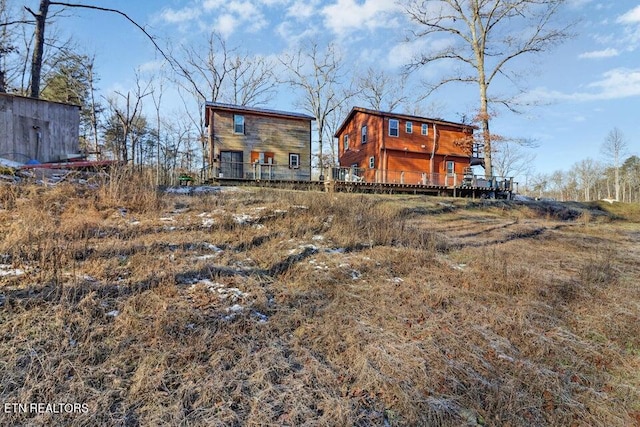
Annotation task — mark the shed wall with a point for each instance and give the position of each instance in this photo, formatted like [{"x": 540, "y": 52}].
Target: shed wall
[{"x": 37, "y": 129}]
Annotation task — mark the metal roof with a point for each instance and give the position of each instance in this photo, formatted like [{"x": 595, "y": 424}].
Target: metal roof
[
  {"x": 254, "y": 110},
  {"x": 400, "y": 116}
]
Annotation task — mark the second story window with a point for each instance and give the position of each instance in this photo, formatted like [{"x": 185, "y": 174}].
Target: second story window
[
  {"x": 409, "y": 127},
  {"x": 238, "y": 124},
  {"x": 364, "y": 134},
  {"x": 393, "y": 127},
  {"x": 345, "y": 141},
  {"x": 425, "y": 129}
]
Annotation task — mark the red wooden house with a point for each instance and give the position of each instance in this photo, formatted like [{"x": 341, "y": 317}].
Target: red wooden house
[{"x": 400, "y": 148}]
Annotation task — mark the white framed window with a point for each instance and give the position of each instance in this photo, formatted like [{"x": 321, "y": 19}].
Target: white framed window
[
  {"x": 451, "y": 167},
  {"x": 425, "y": 129},
  {"x": 372, "y": 162},
  {"x": 238, "y": 124},
  {"x": 409, "y": 127},
  {"x": 345, "y": 141},
  {"x": 393, "y": 127},
  {"x": 363, "y": 132},
  {"x": 294, "y": 161}
]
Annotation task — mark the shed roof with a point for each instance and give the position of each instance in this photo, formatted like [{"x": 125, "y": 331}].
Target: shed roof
[
  {"x": 253, "y": 110},
  {"x": 13, "y": 95},
  {"x": 409, "y": 117}
]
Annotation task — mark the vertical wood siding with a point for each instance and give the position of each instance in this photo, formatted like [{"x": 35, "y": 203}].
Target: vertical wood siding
[{"x": 37, "y": 129}]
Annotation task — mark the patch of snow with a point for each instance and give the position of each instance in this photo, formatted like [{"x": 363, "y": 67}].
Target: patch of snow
[
  {"x": 134, "y": 222},
  {"x": 7, "y": 270},
  {"x": 317, "y": 237},
  {"x": 113, "y": 313},
  {"x": 300, "y": 207},
  {"x": 460, "y": 267},
  {"x": 204, "y": 257},
  {"x": 179, "y": 190},
  {"x": 335, "y": 251},
  {"x": 9, "y": 163},
  {"x": 212, "y": 247},
  {"x": 208, "y": 222},
  {"x": 262, "y": 318},
  {"x": 236, "y": 308},
  {"x": 396, "y": 280},
  {"x": 521, "y": 198},
  {"x": 242, "y": 218},
  {"x": 258, "y": 226},
  {"x": 507, "y": 358},
  {"x": 167, "y": 219},
  {"x": 280, "y": 211},
  {"x": 208, "y": 189}
]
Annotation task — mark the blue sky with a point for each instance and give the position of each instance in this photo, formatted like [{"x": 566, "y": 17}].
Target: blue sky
[{"x": 586, "y": 86}]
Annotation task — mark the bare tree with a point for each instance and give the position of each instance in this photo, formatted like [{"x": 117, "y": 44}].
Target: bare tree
[
  {"x": 129, "y": 117},
  {"x": 511, "y": 159},
  {"x": 41, "y": 18},
  {"x": 485, "y": 36},
  {"x": 615, "y": 148},
  {"x": 223, "y": 74},
  {"x": 318, "y": 74},
  {"x": 381, "y": 91},
  {"x": 586, "y": 173}
]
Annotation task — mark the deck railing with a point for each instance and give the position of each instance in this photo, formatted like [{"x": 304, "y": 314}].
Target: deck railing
[
  {"x": 449, "y": 180},
  {"x": 275, "y": 172},
  {"x": 261, "y": 171}
]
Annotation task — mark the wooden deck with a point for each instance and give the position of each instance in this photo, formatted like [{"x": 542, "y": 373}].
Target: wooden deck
[{"x": 370, "y": 187}]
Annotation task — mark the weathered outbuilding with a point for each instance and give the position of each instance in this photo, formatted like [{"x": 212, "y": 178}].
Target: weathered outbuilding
[
  {"x": 256, "y": 143},
  {"x": 36, "y": 129}
]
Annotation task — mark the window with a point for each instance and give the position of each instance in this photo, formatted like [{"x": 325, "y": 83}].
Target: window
[
  {"x": 425, "y": 129},
  {"x": 393, "y": 127},
  {"x": 294, "y": 160},
  {"x": 409, "y": 127},
  {"x": 372, "y": 162},
  {"x": 262, "y": 157},
  {"x": 345, "y": 141},
  {"x": 238, "y": 124},
  {"x": 364, "y": 134},
  {"x": 451, "y": 167}
]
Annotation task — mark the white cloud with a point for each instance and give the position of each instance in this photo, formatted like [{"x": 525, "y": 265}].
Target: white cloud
[
  {"x": 301, "y": 9},
  {"x": 209, "y": 5},
  {"x": 615, "y": 84},
  {"x": 179, "y": 16},
  {"x": 347, "y": 16},
  {"x": 599, "y": 54},
  {"x": 226, "y": 24},
  {"x": 631, "y": 17},
  {"x": 229, "y": 16}
]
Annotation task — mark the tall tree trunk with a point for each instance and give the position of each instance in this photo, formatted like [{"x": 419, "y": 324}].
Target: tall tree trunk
[{"x": 38, "y": 49}]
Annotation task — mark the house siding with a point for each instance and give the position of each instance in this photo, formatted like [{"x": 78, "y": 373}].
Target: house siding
[
  {"x": 407, "y": 152},
  {"x": 22, "y": 119},
  {"x": 279, "y": 136}
]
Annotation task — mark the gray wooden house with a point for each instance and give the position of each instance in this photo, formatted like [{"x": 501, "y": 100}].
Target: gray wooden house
[
  {"x": 256, "y": 144},
  {"x": 36, "y": 129}
]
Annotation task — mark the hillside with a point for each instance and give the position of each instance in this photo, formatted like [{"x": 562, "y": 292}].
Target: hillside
[{"x": 272, "y": 307}]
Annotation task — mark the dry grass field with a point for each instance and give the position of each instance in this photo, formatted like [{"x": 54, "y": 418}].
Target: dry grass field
[{"x": 257, "y": 307}]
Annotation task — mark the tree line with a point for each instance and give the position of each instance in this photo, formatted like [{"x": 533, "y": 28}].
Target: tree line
[
  {"x": 134, "y": 126},
  {"x": 615, "y": 177}
]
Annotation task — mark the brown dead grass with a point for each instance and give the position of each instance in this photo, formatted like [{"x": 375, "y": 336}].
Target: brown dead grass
[{"x": 266, "y": 307}]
